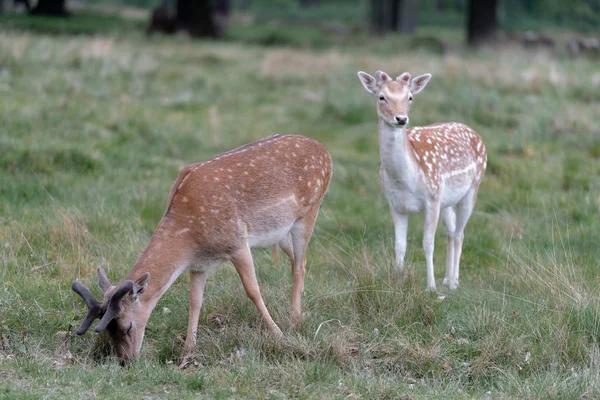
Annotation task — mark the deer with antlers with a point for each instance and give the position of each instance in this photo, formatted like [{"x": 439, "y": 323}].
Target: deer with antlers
[
  {"x": 262, "y": 194},
  {"x": 436, "y": 169}
]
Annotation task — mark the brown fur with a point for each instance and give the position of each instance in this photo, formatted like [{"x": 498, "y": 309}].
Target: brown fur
[
  {"x": 447, "y": 147},
  {"x": 264, "y": 193}
]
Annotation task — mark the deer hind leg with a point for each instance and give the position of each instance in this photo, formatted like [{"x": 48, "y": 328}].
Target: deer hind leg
[
  {"x": 197, "y": 284},
  {"x": 287, "y": 247},
  {"x": 449, "y": 219},
  {"x": 400, "y": 229},
  {"x": 244, "y": 264},
  {"x": 432, "y": 216},
  {"x": 275, "y": 255},
  {"x": 463, "y": 213},
  {"x": 301, "y": 232}
]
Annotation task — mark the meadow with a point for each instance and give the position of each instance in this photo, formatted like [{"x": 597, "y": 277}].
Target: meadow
[{"x": 96, "y": 127}]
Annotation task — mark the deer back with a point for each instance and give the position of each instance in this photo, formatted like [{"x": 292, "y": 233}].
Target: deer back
[
  {"x": 451, "y": 154},
  {"x": 258, "y": 188}
]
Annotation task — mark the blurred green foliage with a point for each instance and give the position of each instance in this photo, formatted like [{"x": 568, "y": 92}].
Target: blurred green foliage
[{"x": 514, "y": 14}]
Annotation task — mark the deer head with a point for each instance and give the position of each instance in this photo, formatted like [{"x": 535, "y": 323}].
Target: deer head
[
  {"x": 120, "y": 312},
  {"x": 394, "y": 97}
]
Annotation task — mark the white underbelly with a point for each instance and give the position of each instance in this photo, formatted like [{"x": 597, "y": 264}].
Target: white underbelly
[
  {"x": 206, "y": 265},
  {"x": 451, "y": 196},
  {"x": 456, "y": 185},
  {"x": 268, "y": 238}
]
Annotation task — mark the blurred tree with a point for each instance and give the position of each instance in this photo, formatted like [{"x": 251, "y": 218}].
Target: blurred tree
[
  {"x": 196, "y": 17},
  {"x": 404, "y": 15},
  {"x": 393, "y": 15},
  {"x": 163, "y": 19},
  {"x": 55, "y": 8},
  {"x": 482, "y": 21}
]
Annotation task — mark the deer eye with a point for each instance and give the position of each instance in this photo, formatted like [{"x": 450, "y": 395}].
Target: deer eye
[
  {"x": 381, "y": 98},
  {"x": 130, "y": 326},
  {"x": 410, "y": 98}
]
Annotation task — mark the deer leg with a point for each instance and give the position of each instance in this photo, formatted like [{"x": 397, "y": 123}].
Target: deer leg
[
  {"x": 458, "y": 242},
  {"x": 400, "y": 229},
  {"x": 463, "y": 213},
  {"x": 197, "y": 283},
  {"x": 432, "y": 215},
  {"x": 301, "y": 233},
  {"x": 449, "y": 218},
  {"x": 275, "y": 255},
  {"x": 287, "y": 247},
  {"x": 244, "y": 264}
]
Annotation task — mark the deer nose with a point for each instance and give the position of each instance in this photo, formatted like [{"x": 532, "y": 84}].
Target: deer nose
[{"x": 401, "y": 119}]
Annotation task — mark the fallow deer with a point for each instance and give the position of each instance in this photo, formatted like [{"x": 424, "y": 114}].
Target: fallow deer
[
  {"x": 435, "y": 169},
  {"x": 262, "y": 194}
]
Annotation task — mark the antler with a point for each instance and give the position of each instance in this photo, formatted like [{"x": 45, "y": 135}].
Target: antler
[
  {"x": 113, "y": 305},
  {"x": 93, "y": 305}
]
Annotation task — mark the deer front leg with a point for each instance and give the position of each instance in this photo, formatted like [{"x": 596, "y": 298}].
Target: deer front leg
[
  {"x": 432, "y": 215},
  {"x": 400, "y": 229},
  {"x": 197, "y": 283}
]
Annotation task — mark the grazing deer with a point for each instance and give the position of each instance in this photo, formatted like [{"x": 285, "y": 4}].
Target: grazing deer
[
  {"x": 262, "y": 194},
  {"x": 435, "y": 169}
]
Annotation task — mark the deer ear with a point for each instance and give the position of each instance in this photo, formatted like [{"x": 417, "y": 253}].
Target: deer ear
[
  {"x": 368, "y": 82},
  {"x": 419, "y": 83},
  {"x": 382, "y": 77},
  {"x": 141, "y": 285},
  {"x": 103, "y": 281},
  {"x": 405, "y": 77}
]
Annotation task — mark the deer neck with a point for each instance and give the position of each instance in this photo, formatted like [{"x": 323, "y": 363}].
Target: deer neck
[
  {"x": 165, "y": 259},
  {"x": 396, "y": 152}
]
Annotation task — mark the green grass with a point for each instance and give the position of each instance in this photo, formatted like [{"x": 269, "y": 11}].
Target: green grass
[{"x": 95, "y": 129}]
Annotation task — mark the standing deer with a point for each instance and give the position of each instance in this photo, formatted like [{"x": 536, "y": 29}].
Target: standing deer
[
  {"x": 262, "y": 194},
  {"x": 435, "y": 169}
]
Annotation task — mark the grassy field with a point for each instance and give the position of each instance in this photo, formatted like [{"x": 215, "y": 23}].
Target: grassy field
[{"x": 95, "y": 129}]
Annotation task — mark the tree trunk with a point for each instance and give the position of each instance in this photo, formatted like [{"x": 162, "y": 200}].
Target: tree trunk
[
  {"x": 393, "y": 15},
  {"x": 404, "y": 15},
  {"x": 482, "y": 21},
  {"x": 163, "y": 19},
  {"x": 222, "y": 7},
  {"x": 380, "y": 16},
  {"x": 55, "y": 8},
  {"x": 440, "y": 6},
  {"x": 196, "y": 17}
]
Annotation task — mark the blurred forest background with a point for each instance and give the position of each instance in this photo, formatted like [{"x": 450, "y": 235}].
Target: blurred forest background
[
  {"x": 102, "y": 103},
  {"x": 481, "y": 19}
]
